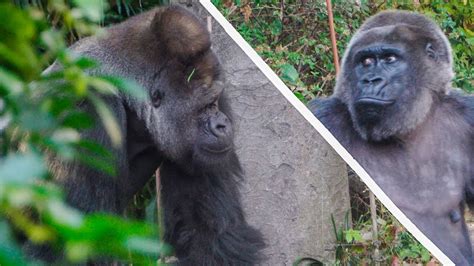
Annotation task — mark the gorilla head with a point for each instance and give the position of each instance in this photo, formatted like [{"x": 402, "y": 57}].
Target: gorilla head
[
  {"x": 187, "y": 116},
  {"x": 394, "y": 67}
]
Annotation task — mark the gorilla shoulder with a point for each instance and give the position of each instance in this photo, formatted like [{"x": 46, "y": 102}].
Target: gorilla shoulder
[{"x": 334, "y": 115}]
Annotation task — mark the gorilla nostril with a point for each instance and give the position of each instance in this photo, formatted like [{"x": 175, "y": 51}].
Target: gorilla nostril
[
  {"x": 218, "y": 128},
  {"x": 373, "y": 80}
]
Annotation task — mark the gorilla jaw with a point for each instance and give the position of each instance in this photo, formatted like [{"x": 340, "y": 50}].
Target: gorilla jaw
[{"x": 377, "y": 123}]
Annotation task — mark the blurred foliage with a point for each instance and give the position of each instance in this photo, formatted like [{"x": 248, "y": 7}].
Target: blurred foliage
[
  {"x": 293, "y": 36},
  {"x": 38, "y": 115}
]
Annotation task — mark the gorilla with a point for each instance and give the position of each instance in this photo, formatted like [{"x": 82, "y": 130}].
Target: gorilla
[
  {"x": 185, "y": 128},
  {"x": 394, "y": 110}
]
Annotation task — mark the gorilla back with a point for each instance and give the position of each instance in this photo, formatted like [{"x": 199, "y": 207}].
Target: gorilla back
[
  {"x": 395, "y": 111},
  {"x": 185, "y": 126}
]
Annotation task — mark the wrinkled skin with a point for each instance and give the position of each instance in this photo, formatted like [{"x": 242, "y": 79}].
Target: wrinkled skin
[
  {"x": 395, "y": 111},
  {"x": 185, "y": 127}
]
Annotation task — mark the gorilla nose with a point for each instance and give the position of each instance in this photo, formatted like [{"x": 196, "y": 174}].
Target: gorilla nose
[
  {"x": 219, "y": 126},
  {"x": 373, "y": 80}
]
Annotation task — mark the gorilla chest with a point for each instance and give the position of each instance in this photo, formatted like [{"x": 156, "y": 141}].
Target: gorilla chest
[{"x": 419, "y": 175}]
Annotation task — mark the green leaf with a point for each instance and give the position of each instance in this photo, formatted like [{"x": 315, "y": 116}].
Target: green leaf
[
  {"x": 108, "y": 120},
  {"x": 143, "y": 245},
  {"x": 35, "y": 120},
  {"x": 85, "y": 62},
  {"x": 78, "y": 120},
  {"x": 103, "y": 86},
  {"x": 289, "y": 73},
  {"x": 353, "y": 235},
  {"x": 64, "y": 215},
  {"x": 53, "y": 40},
  {"x": 79, "y": 251},
  {"x": 276, "y": 27},
  {"x": 10, "y": 82},
  {"x": 127, "y": 86},
  {"x": 10, "y": 252},
  {"x": 21, "y": 168},
  {"x": 15, "y": 23},
  {"x": 425, "y": 255},
  {"x": 92, "y": 9},
  {"x": 300, "y": 96},
  {"x": 99, "y": 163}
]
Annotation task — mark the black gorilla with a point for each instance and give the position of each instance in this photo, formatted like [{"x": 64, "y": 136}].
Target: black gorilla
[
  {"x": 185, "y": 127},
  {"x": 395, "y": 111}
]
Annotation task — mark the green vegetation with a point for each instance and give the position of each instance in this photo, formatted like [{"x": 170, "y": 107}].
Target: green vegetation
[
  {"x": 38, "y": 118},
  {"x": 293, "y": 36},
  {"x": 356, "y": 245}
]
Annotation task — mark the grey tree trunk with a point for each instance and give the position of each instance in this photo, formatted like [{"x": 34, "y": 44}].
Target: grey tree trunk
[{"x": 294, "y": 180}]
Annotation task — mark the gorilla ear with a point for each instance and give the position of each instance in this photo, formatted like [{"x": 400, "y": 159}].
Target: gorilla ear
[
  {"x": 180, "y": 33},
  {"x": 431, "y": 52}
]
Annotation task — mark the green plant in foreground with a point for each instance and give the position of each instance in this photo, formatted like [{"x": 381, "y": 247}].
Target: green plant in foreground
[{"x": 39, "y": 118}]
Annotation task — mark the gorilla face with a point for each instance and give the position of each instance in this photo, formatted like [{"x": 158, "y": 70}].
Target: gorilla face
[
  {"x": 190, "y": 119},
  {"x": 186, "y": 115},
  {"x": 380, "y": 73},
  {"x": 386, "y": 73}
]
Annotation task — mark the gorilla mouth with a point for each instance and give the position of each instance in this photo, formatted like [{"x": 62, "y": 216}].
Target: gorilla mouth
[
  {"x": 217, "y": 151},
  {"x": 374, "y": 101}
]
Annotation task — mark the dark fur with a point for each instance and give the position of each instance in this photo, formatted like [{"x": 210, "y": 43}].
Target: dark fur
[
  {"x": 420, "y": 150},
  {"x": 168, "y": 52}
]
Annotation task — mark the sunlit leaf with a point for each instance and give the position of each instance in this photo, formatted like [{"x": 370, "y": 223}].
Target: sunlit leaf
[
  {"x": 10, "y": 82},
  {"x": 108, "y": 120},
  {"x": 92, "y": 9},
  {"x": 103, "y": 86},
  {"x": 128, "y": 86},
  {"x": 61, "y": 214},
  {"x": 145, "y": 245},
  {"x": 53, "y": 40},
  {"x": 21, "y": 168},
  {"x": 289, "y": 73},
  {"x": 79, "y": 251}
]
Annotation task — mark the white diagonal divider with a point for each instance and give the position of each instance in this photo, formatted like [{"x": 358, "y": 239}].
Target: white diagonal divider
[{"x": 306, "y": 113}]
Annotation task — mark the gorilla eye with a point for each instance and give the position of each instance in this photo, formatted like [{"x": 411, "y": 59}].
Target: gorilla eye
[
  {"x": 391, "y": 58},
  {"x": 212, "y": 105},
  {"x": 367, "y": 61},
  {"x": 156, "y": 97}
]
